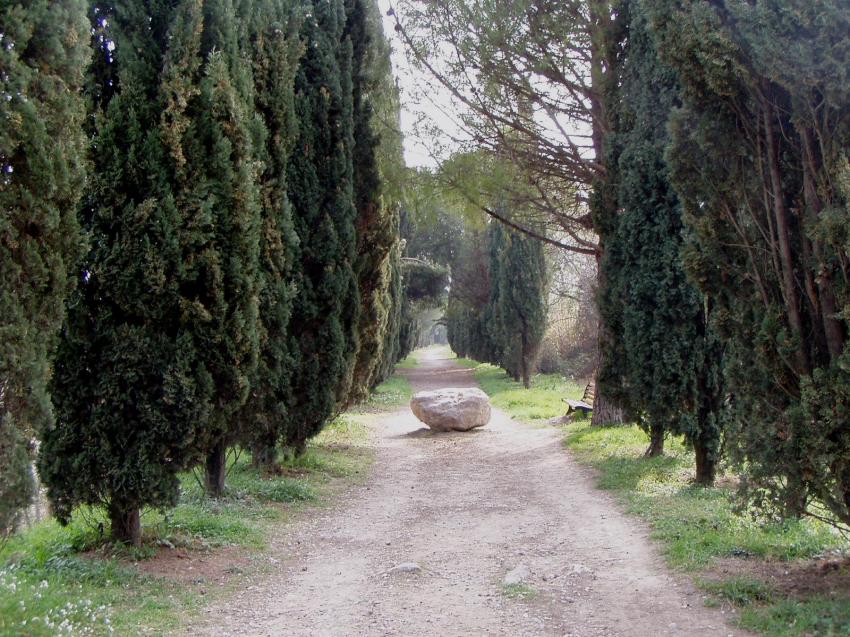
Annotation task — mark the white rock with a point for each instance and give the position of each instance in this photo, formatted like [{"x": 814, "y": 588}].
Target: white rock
[
  {"x": 452, "y": 409},
  {"x": 517, "y": 575},
  {"x": 406, "y": 567}
]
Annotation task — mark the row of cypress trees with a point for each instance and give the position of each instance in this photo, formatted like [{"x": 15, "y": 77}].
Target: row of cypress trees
[
  {"x": 664, "y": 363},
  {"x": 725, "y": 279},
  {"x": 240, "y": 281},
  {"x": 498, "y": 300}
]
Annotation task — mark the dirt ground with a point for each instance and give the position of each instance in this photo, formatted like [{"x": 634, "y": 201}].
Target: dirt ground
[{"x": 467, "y": 508}]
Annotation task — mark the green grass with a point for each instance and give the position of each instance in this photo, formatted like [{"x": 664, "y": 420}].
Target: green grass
[
  {"x": 697, "y": 525},
  {"x": 410, "y": 362},
  {"x": 69, "y": 580},
  {"x": 543, "y": 401},
  {"x": 518, "y": 591},
  {"x": 740, "y": 591},
  {"x": 787, "y": 617},
  {"x": 393, "y": 392},
  {"x": 50, "y": 586},
  {"x": 764, "y": 611}
]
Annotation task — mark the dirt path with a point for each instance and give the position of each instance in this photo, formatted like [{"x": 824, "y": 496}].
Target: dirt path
[{"x": 467, "y": 508}]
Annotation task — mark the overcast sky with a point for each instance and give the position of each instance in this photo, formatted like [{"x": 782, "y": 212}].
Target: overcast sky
[{"x": 419, "y": 97}]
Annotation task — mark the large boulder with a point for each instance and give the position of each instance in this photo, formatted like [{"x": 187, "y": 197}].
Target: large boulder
[{"x": 452, "y": 409}]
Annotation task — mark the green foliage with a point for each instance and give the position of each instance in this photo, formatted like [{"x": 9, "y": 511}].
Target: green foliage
[
  {"x": 516, "y": 318},
  {"x": 430, "y": 234},
  {"x": 130, "y": 388},
  {"x": 394, "y": 348},
  {"x": 215, "y": 137},
  {"x": 378, "y": 165},
  {"x": 325, "y": 313},
  {"x": 694, "y": 524},
  {"x": 275, "y": 53},
  {"x": 497, "y": 303},
  {"x": 469, "y": 297},
  {"x": 43, "y": 53},
  {"x": 424, "y": 282},
  {"x": 759, "y": 159},
  {"x": 663, "y": 363},
  {"x": 235, "y": 244}
]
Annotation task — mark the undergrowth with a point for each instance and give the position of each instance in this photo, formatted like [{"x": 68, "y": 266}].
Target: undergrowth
[
  {"x": 696, "y": 526},
  {"x": 393, "y": 392},
  {"x": 71, "y": 580}
]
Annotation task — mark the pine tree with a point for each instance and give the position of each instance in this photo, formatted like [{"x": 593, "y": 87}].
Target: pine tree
[
  {"x": 758, "y": 158},
  {"x": 44, "y": 50},
  {"x": 129, "y": 388},
  {"x": 325, "y": 312},
  {"x": 667, "y": 369}
]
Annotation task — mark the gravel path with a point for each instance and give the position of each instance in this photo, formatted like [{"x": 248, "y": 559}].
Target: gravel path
[{"x": 467, "y": 508}]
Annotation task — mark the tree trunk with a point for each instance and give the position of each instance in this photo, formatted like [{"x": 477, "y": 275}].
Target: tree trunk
[
  {"x": 603, "y": 77},
  {"x": 656, "y": 442},
  {"x": 706, "y": 463},
  {"x": 828, "y": 308},
  {"x": 299, "y": 447},
  {"x": 783, "y": 239},
  {"x": 125, "y": 523},
  {"x": 264, "y": 457},
  {"x": 215, "y": 470},
  {"x": 605, "y": 412},
  {"x": 526, "y": 370}
]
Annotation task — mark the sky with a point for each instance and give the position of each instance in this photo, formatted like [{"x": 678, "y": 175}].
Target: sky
[{"x": 413, "y": 85}]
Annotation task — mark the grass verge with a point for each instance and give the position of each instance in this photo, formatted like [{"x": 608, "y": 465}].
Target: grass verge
[
  {"x": 393, "y": 392},
  {"x": 70, "y": 581},
  {"x": 764, "y": 568},
  {"x": 737, "y": 559},
  {"x": 543, "y": 401}
]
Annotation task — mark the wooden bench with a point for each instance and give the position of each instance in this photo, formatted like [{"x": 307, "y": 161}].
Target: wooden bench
[{"x": 583, "y": 406}]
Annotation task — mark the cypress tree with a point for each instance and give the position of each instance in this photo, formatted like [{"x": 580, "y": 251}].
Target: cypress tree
[
  {"x": 276, "y": 52},
  {"x": 325, "y": 312},
  {"x": 129, "y": 388},
  {"x": 215, "y": 137},
  {"x": 519, "y": 314},
  {"x": 377, "y": 150},
  {"x": 758, "y": 158},
  {"x": 467, "y": 314},
  {"x": 44, "y": 50},
  {"x": 500, "y": 350},
  {"x": 392, "y": 347},
  {"x": 666, "y": 367}
]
